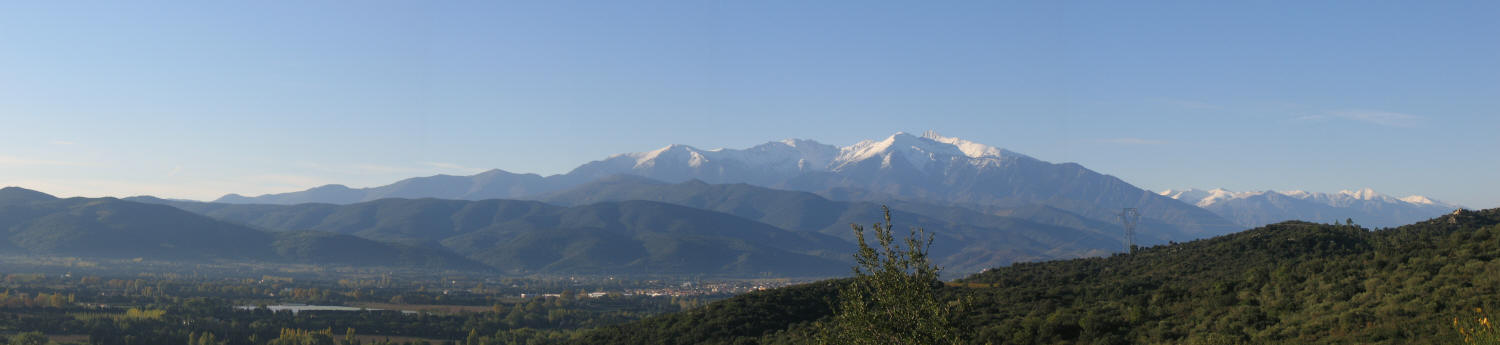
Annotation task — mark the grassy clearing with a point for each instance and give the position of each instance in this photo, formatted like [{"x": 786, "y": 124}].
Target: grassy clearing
[{"x": 133, "y": 313}]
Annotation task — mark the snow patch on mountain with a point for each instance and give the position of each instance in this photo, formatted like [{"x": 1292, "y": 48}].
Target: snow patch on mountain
[
  {"x": 1421, "y": 200},
  {"x": 1300, "y": 194},
  {"x": 649, "y": 158},
  {"x": 785, "y": 155},
  {"x": 1219, "y": 194},
  {"x": 1343, "y": 198},
  {"x": 916, "y": 151},
  {"x": 802, "y": 155},
  {"x": 1191, "y": 195},
  {"x": 969, "y": 148},
  {"x": 1204, "y": 198}
]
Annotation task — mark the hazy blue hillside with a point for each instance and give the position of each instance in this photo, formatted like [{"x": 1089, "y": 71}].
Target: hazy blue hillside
[
  {"x": 534, "y": 237},
  {"x": 491, "y": 230},
  {"x": 970, "y": 241},
  {"x": 34, "y": 223},
  {"x": 314, "y": 247},
  {"x": 110, "y": 227},
  {"x": 493, "y": 184}
]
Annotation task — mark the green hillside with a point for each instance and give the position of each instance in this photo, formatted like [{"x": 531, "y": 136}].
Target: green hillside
[
  {"x": 110, "y": 227},
  {"x": 313, "y": 247},
  {"x": 1292, "y": 282}
]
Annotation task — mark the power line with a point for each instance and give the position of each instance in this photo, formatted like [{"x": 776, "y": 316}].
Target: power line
[{"x": 1129, "y": 216}]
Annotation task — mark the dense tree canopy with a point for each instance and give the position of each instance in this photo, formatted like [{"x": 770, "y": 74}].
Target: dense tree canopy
[
  {"x": 1293, "y": 282},
  {"x": 891, "y": 299}
]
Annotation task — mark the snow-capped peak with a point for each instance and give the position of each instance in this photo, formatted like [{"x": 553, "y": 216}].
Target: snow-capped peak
[
  {"x": 1418, "y": 199},
  {"x": 794, "y": 142},
  {"x": 1188, "y": 195},
  {"x": 801, "y": 155},
  {"x": 915, "y": 150},
  {"x": 1363, "y": 194},
  {"x": 648, "y": 158},
  {"x": 1423, "y": 200},
  {"x": 920, "y": 151},
  {"x": 1220, "y": 194},
  {"x": 1299, "y": 194},
  {"x": 969, "y": 148},
  {"x": 1204, "y": 198}
]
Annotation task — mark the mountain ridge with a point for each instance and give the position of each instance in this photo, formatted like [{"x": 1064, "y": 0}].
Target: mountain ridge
[
  {"x": 1265, "y": 207},
  {"x": 529, "y": 237},
  {"x": 115, "y": 228},
  {"x": 975, "y": 240},
  {"x": 930, "y": 168}
]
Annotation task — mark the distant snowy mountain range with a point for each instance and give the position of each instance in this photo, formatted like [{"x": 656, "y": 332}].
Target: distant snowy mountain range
[
  {"x": 771, "y": 163},
  {"x": 1364, "y": 206},
  {"x": 777, "y": 161},
  {"x": 781, "y": 209},
  {"x": 929, "y": 168}
]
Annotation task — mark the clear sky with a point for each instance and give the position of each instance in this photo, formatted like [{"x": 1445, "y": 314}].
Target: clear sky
[{"x": 199, "y": 99}]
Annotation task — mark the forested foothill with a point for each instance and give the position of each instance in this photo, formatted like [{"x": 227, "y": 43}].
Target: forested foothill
[{"x": 1433, "y": 282}]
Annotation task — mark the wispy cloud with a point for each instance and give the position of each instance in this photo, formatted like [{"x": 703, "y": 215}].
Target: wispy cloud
[
  {"x": 284, "y": 180},
  {"x": 12, "y": 161},
  {"x": 1132, "y": 141},
  {"x": 1311, "y": 118},
  {"x": 453, "y": 167},
  {"x": 1375, "y": 117},
  {"x": 1190, "y": 104},
  {"x": 378, "y": 169},
  {"x": 358, "y": 169},
  {"x": 1383, "y": 118},
  {"x": 207, "y": 189},
  {"x": 416, "y": 168}
]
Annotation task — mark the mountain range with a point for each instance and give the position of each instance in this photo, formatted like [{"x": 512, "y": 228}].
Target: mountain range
[
  {"x": 930, "y": 169},
  {"x": 782, "y": 208},
  {"x": 526, "y": 236},
  {"x": 1364, "y": 206}
]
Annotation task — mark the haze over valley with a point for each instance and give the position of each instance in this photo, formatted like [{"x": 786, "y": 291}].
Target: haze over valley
[
  {"x": 749, "y": 173},
  {"x": 779, "y": 209}
]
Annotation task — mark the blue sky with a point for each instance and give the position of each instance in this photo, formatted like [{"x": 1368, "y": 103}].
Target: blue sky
[{"x": 194, "y": 100}]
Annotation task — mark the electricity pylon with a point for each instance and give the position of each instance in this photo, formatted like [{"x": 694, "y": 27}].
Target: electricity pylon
[{"x": 1130, "y": 217}]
